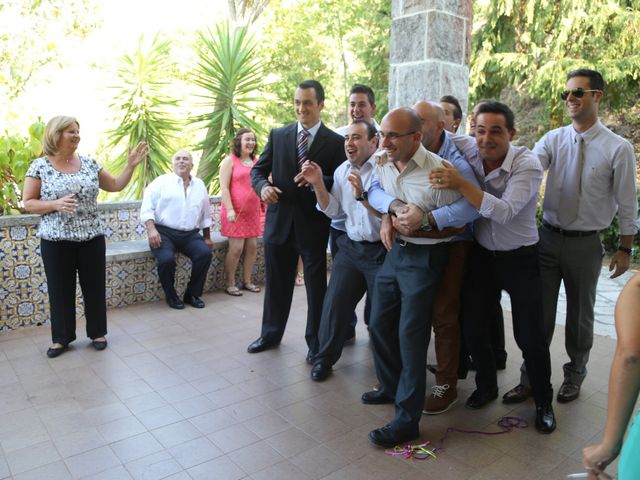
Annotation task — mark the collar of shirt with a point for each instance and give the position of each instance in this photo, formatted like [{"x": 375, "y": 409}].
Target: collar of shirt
[
  {"x": 447, "y": 149},
  {"x": 312, "y": 131},
  {"x": 366, "y": 166},
  {"x": 507, "y": 164},
  {"x": 180, "y": 180},
  {"x": 588, "y": 134}
]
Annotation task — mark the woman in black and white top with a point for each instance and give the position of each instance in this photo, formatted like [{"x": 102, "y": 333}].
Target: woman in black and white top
[{"x": 63, "y": 187}]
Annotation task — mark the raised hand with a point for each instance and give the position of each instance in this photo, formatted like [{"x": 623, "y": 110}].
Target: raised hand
[{"x": 135, "y": 156}]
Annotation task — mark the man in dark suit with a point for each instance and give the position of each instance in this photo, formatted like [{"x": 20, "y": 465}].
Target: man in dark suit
[{"x": 293, "y": 225}]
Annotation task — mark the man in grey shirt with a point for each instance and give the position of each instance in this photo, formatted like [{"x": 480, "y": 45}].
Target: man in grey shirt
[{"x": 591, "y": 175}]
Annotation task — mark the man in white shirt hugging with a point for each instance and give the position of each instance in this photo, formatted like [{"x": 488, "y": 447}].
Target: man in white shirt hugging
[{"x": 175, "y": 206}]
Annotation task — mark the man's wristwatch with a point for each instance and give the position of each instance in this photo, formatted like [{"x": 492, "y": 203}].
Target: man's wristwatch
[
  {"x": 626, "y": 250},
  {"x": 426, "y": 224},
  {"x": 363, "y": 196}
]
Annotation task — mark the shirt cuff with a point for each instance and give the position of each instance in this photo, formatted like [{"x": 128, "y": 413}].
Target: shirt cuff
[{"x": 487, "y": 206}]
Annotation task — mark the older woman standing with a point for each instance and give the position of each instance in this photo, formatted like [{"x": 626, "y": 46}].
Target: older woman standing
[
  {"x": 240, "y": 212},
  {"x": 63, "y": 187}
]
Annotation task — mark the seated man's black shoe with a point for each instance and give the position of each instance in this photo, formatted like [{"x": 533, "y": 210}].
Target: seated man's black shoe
[
  {"x": 320, "y": 372},
  {"x": 545, "y": 419},
  {"x": 194, "y": 301},
  {"x": 260, "y": 345},
  {"x": 387, "y": 437},
  {"x": 376, "y": 397},
  {"x": 175, "y": 302},
  {"x": 517, "y": 394},
  {"x": 479, "y": 398},
  {"x": 432, "y": 368}
]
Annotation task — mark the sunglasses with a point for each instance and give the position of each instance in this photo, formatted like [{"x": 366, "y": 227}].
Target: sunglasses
[{"x": 576, "y": 92}]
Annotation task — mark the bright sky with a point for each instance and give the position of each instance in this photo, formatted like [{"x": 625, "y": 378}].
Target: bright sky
[{"x": 78, "y": 90}]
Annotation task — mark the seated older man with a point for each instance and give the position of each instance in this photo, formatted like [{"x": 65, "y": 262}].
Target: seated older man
[{"x": 174, "y": 208}]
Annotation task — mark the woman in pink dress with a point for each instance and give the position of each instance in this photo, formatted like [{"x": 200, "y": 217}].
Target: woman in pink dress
[{"x": 241, "y": 211}]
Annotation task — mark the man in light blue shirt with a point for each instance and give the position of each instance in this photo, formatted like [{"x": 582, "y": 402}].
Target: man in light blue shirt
[{"x": 360, "y": 253}]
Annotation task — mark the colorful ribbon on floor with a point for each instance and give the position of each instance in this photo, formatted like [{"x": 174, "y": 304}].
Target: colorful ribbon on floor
[{"x": 421, "y": 452}]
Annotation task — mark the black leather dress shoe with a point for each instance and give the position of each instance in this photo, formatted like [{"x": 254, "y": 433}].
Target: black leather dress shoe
[
  {"x": 479, "y": 398},
  {"x": 376, "y": 397},
  {"x": 54, "y": 352},
  {"x": 320, "y": 372},
  {"x": 194, "y": 301},
  {"x": 517, "y": 394},
  {"x": 545, "y": 419},
  {"x": 175, "y": 302},
  {"x": 568, "y": 392},
  {"x": 310, "y": 357},
  {"x": 432, "y": 368},
  {"x": 260, "y": 345},
  {"x": 387, "y": 437}
]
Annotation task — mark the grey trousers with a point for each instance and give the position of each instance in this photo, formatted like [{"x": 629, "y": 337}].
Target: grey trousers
[{"x": 576, "y": 261}]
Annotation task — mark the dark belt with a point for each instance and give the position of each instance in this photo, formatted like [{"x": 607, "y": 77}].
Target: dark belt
[
  {"x": 404, "y": 243},
  {"x": 569, "y": 233},
  {"x": 527, "y": 250}
]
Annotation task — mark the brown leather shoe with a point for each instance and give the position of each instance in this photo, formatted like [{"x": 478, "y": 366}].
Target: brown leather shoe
[
  {"x": 568, "y": 392},
  {"x": 517, "y": 394}
]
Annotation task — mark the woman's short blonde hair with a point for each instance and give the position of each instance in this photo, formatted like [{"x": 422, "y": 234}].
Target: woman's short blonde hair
[{"x": 53, "y": 131}]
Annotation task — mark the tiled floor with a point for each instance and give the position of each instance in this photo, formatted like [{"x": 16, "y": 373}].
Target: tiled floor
[{"x": 176, "y": 396}]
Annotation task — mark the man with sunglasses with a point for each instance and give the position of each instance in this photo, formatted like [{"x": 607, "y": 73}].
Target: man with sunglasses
[{"x": 591, "y": 175}]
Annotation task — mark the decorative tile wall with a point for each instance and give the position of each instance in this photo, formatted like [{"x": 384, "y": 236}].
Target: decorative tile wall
[{"x": 131, "y": 277}]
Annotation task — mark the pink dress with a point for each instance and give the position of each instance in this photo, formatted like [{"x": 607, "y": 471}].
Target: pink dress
[{"x": 245, "y": 203}]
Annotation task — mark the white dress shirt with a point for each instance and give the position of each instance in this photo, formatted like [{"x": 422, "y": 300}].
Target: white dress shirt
[
  {"x": 608, "y": 178},
  {"x": 412, "y": 186},
  {"x": 166, "y": 203},
  {"x": 360, "y": 224}
]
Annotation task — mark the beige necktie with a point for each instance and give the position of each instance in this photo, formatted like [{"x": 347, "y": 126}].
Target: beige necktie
[{"x": 572, "y": 185}]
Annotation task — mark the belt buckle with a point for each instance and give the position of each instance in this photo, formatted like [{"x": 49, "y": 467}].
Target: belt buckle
[{"x": 401, "y": 242}]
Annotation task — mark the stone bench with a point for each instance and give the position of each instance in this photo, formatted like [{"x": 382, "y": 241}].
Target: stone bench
[{"x": 132, "y": 275}]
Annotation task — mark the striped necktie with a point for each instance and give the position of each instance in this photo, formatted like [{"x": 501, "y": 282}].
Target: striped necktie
[{"x": 302, "y": 147}]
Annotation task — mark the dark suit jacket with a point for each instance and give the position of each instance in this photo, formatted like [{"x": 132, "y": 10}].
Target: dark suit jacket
[{"x": 296, "y": 207}]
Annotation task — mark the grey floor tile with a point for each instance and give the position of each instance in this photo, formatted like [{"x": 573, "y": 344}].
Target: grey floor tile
[
  {"x": 194, "y": 452},
  {"x": 92, "y": 462},
  {"x": 31, "y": 457},
  {"x": 136, "y": 447},
  {"x": 52, "y": 471}
]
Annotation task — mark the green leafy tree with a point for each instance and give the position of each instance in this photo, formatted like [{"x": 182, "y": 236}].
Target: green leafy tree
[
  {"x": 16, "y": 154},
  {"x": 144, "y": 112},
  {"x": 335, "y": 42},
  {"x": 34, "y": 36},
  {"x": 530, "y": 45},
  {"x": 230, "y": 74}
]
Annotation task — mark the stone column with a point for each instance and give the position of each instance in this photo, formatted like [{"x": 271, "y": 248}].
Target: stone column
[{"x": 429, "y": 57}]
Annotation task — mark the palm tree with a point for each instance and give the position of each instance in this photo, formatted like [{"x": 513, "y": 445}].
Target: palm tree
[
  {"x": 231, "y": 74},
  {"x": 144, "y": 112}
]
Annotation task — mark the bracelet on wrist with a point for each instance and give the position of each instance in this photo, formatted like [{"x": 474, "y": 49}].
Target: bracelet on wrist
[{"x": 626, "y": 250}]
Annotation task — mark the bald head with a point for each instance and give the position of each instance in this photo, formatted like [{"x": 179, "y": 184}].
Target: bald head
[
  {"x": 401, "y": 131},
  {"x": 433, "y": 123}
]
